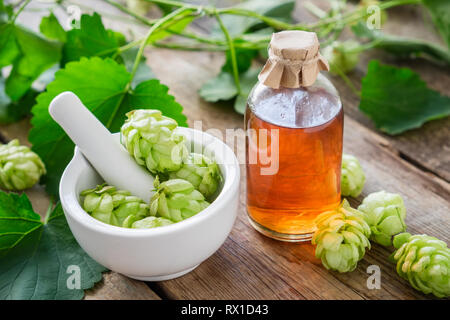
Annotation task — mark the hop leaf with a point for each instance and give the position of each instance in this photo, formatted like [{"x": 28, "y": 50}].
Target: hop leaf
[
  {"x": 202, "y": 172},
  {"x": 342, "y": 56},
  {"x": 150, "y": 138},
  {"x": 176, "y": 199},
  {"x": 115, "y": 207},
  {"x": 341, "y": 238},
  {"x": 151, "y": 222},
  {"x": 352, "y": 176},
  {"x": 385, "y": 213},
  {"x": 425, "y": 262},
  {"x": 20, "y": 168}
]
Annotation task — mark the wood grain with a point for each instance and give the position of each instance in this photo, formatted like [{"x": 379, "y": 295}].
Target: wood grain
[{"x": 115, "y": 286}]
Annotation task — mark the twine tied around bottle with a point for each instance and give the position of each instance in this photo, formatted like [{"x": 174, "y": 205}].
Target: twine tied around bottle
[{"x": 294, "y": 60}]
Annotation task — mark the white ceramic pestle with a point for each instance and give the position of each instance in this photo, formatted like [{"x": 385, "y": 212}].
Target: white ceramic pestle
[{"x": 109, "y": 158}]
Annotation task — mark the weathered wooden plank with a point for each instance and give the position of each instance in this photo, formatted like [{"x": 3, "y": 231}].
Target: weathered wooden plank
[
  {"x": 115, "y": 286},
  {"x": 269, "y": 269}
]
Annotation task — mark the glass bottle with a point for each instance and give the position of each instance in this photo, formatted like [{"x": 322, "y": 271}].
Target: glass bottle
[{"x": 294, "y": 122}]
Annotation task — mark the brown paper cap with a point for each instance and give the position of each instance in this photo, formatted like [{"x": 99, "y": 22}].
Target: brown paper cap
[{"x": 294, "y": 60}]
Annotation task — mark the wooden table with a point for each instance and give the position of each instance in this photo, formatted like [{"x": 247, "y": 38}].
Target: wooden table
[{"x": 415, "y": 164}]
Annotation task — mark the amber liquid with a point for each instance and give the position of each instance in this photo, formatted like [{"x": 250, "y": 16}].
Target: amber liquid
[{"x": 284, "y": 205}]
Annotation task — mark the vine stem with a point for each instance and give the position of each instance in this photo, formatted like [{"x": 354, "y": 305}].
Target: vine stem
[
  {"x": 272, "y": 22},
  {"x": 232, "y": 52},
  {"x": 324, "y": 26},
  {"x": 347, "y": 81},
  {"x": 157, "y": 24},
  {"x": 16, "y": 14},
  {"x": 147, "y": 22},
  {"x": 131, "y": 13},
  {"x": 138, "y": 58},
  {"x": 360, "y": 13}
]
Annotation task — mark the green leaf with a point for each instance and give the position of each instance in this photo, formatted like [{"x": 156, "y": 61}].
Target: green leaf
[
  {"x": 175, "y": 28},
  {"x": 104, "y": 88},
  {"x": 51, "y": 28},
  {"x": 248, "y": 80},
  {"x": 237, "y": 25},
  {"x": 37, "y": 55},
  {"x": 397, "y": 99},
  {"x": 244, "y": 60},
  {"x": 9, "y": 49},
  {"x": 440, "y": 13},
  {"x": 91, "y": 39},
  {"x": 17, "y": 219},
  {"x": 143, "y": 71},
  {"x": 401, "y": 46},
  {"x": 13, "y": 111},
  {"x": 35, "y": 256},
  {"x": 221, "y": 87}
]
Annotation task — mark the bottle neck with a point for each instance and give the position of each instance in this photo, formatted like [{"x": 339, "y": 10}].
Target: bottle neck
[{"x": 302, "y": 107}]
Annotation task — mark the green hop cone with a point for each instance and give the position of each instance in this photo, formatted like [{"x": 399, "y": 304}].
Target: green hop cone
[
  {"x": 176, "y": 199},
  {"x": 138, "y": 6},
  {"x": 20, "y": 168},
  {"x": 425, "y": 262},
  {"x": 202, "y": 172},
  {"x": 342, "y": 56},
  {"x": 150, "y": 138},
  {"x": 151, "y": 222},
  {"x": 114, "y": 207},
  {"x": 352, "y": 176},
  {"x": 385, "y": 213},
  {"x": 341, "y": 238}
]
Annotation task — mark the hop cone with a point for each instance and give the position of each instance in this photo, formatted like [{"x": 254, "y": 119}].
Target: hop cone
[
  {"x": 151, "y": 222},
  {"x": 352, "y": 176},
  {"x": 115, "y": 207},
  {"x": 385, "y": 213},
  {"x": 176, "y": 199},
  {"x": 341, "y": 238},
  {"x": 150, "y": 138},
  {"x": 425, "y": 262},
  {"x": 20, "y": 168},
  {"x": 342, "y": 56},
  {"x": 202, "y": 172}
]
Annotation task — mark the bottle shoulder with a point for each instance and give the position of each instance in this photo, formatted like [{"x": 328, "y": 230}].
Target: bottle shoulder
[{"x": 298, "y": 107}]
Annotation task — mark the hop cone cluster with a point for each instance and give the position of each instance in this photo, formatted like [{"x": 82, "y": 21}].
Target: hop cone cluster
[
  {"x": 150, "y": 138},
  {"x": 202, "y": 172},
  {"x": 385, "y": 213},
  {"x": 352, "y": 176},
  {"x": 20, "y": 168},
  {"x": 341, "y": 238},
  {"x": 176, "y": 200},
  {"x": 151, "y": 222},
  {"x": 342, "y": 56},
  {"x": 425, "y": 262},
  {"x": 115, "y": 207}
]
